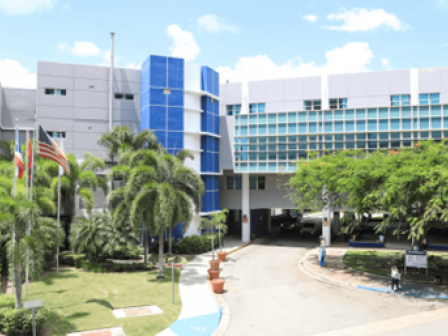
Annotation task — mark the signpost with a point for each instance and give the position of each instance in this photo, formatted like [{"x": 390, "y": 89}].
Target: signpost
[
  {"x": 33, "y": 305},
  {"x": 416, "y": 259}
]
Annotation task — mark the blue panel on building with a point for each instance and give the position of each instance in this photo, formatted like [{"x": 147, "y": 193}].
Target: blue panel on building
[
  {"x": 157, "y": 117},
  {"x": 158, "y": 70},
  {"x": 144, "y": 118},
  {"x": 175, "y": 73},
  {"x": 157, "y": 97},
  {"x": 216, "y": 93},
  {"x": 177, "y": 232},
  {"x": 175, "y": 118},
  {"x": 176, "y": 98},
  {"x": 161, "y": 137},
  {"x": 175, "y": 140}
]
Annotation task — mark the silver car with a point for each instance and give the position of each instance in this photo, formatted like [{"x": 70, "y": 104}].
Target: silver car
[{"x": 311, "y": 226}]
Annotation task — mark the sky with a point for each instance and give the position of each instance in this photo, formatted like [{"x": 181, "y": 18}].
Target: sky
[{"x": 242, "y": 39}]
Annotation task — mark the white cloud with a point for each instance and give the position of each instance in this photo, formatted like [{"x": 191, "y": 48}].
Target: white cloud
[
  {"x": 12, "y": 74},
  {"x": 15, "y": 7},
  {"x": 352, "y": 57},
  {"x": 385, "y": 62},
  {"x": 81, "y": 48},
  {"x": 215, "y": 24},
  {"x": 310, "y": 18},
  {"x": 184, "y": 44},
  {"x": 361, "y": 19},
  {"x": 442, "y": 3}
]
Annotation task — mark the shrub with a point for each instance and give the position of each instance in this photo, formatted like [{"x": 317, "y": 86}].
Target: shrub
[
  {"x": 66, "y": 258},
  {"x": 188, "y": 245},
  {"x": 7, "y": 301},
  {"x": 109, "y": 266},
  {"x": 18, "y": 322}
]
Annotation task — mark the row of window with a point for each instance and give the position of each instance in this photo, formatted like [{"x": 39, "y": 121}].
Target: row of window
[
  {"x": 341, "y": 103},
  {"x": 343, "y": 126},
  {"x": 359, "y": 114},
  {"x": 256, "y": 182},
  {"x": 63, "y": 92},
  {"x": 56, "y": 135}
]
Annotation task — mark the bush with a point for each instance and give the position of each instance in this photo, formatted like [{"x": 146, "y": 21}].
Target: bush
[
  {"x": 66, "y": 258},
  {"x": 188, "y": 245},
  {"x": 7, "y": 301},
  {"x": 19, "y": 322},
  {"x": 109, "y": 266}
]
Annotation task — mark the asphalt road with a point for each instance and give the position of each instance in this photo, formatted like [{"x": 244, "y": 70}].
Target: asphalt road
[{"x": 269, "y": 295}]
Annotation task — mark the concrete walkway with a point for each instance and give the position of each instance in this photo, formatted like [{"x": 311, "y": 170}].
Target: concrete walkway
[
  {"x": 200, "y": 314},
  {"x": 337, "y": 273}
]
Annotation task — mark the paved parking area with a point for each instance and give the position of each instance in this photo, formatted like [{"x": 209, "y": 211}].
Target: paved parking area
[{"x": 269, "y": 295}]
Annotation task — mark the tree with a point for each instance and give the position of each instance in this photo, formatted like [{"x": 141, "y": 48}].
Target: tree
[
  {"x": 161, "y": 191},
  {"x": 15, "y": 216},
  {"x": 220, "y": 223},
  {"x": 97, "y": 235},
  {"x": 214, "y": 222}
]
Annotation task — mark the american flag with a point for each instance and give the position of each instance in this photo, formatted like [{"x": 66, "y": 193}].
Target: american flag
[{"x": 47, "y": 148}]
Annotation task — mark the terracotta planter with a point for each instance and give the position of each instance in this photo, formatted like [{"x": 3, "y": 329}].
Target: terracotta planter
[
  {"x": 214, "y": 274},
  {"x": 218, "y": 285},
  {"x": 175, "y": 265},
  {"x": 222, "y": 255},
  {"x": 216, "y": 262}
]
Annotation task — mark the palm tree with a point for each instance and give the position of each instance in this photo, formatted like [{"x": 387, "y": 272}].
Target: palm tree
[
  {"x": 220, "y": 223},
  {"x": 24, "y": 247},
  {"x": 161, "y": 191},
  {"x": 95, "y": 236}
]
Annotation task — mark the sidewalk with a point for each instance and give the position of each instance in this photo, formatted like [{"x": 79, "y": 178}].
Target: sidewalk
[
  {"x": 200, "y": 314},
  {"x": 336, "y": 273}
]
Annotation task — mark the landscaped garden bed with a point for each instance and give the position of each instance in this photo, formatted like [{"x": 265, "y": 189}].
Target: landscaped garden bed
[{"x": 380, "y": 262}]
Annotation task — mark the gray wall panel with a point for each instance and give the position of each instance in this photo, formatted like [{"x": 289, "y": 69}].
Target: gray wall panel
[
  {"x": 124, "y": 115},
  {"x": 233, "y": 93},
  {"x": 63, "y": 125},
  {"x": 55, "y": 69},
  {"x": 91, "y": 113},
  {"x": 226, "y": 129},
  {"x": 62, "y": 112},
  {"x": 337, "y": 86},
  {"x": 85, "y": 83},
  {"x": 275, "y": 91},
  {"x": 257, "y": 92},
  {"x": 91, "y": 99},
  {"x": 429, "y": 80},
  {"x": 311, "y": 88},
  {"x": 124, "y": 104},
  {"x": 293, "y": 89},
  {"x": 18, "y": 103},
  {"x": 127, "y": 75},
  {"x": 400, "y": 82},
  {"x": 134, "y": 126},
  {"x": 444, "y": 80},
  {"x": 86, "y": 141},
  {"x": 444, "y": 97},
  {"x": 55, "y": 82},
  {"x": 357, "y": 86},
  {"x": 127, "y": 87},
  {"x": 91, "y": 126},
  {"x": 293, "y": 105},
  {"x": 92, "y": 72},
  {"x": 275, "y": 107},
  {"x": 378, "y": 82}
]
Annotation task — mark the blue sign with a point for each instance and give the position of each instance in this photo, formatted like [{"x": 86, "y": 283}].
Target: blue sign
[{"x": 411, "y": 252}]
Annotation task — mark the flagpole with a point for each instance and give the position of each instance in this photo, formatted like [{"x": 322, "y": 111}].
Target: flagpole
[
  {"x": 16, "y": 173},
  {"x": 34, "y": 157},
  {"x": 29, "y": 224},
  {"x": 59, "y": 209}
]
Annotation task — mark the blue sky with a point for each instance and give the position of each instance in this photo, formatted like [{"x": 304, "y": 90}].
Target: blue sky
[{"x": 242, "y": 39}]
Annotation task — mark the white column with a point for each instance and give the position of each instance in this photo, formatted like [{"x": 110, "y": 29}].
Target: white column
[
  {"x": 414, "y": 86},
  {"x": 245, "y": 210},
  {"x": 326, "y": 225}
]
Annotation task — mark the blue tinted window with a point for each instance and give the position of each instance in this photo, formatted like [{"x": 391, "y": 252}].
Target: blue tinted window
[
  {"x": 312, "y": 116},
  {"x": 338, "y": 115},
  {"x": 372, "y": 113},
  {"x": 437, "y": 134},
  {"x": 350, "y": 145},
  {"x": 339, "y": 137},
  {"x": 272, "y": 118},
  {"x": 302, "y": 138},
  {"x": 406, "y": 111},
  {"x": 424, "y": 99},
  {"x": 372, "y": 125},
  {"x": 328, "y": 145},
  {"x": 436, "y": 123},
  {"x": 313, "y": 128},
  {"x": 328, "y": 127},
  {"x": 415, "y": 123},
  {"x": 262, "y": 166},
  {"x": 394, "y": 112},
  {"x": 261, "y": 107},
  {"x": 384, "y": 125},
  {"x": 349, "y": 114},
  {"x": 253, "y": 130},
  {"x": 292, "y": 117},
  {"x": 262, "y": 119},
  {"x": 262, "y": 129},
  {"x": 384, "y": 113},
  {"x": 407, "y": 135},
  {"x": 373, "y": 144},
  {"x": 328, "y": 115},
  {"x": 372, "y": 136},
  {"x": 282, "y": 129},
  {"x": 282, "y": 117},
  {"x": 395, "y": 124},
  {"x": 272, "y": 129},
  {"x": 302, "y": 146},
  {"x": 360, "y": 114},
  {"x": 312, "y": 146},
  {"x": 349, "y": 126},
  {"x": 407, "y": 124},
  {"x": 360, "y": 145},
  {"x": 243, "y": 167},
  {"x": 302, "y": 128},
  {"x": 243, "y": 130},
  {"x": 445, "y": 122},
  {"x": 434, "y": 98},
  {"x": 384, "y": 136},
  {"x": 339, "y": 145},
  {"x": 262, "y": 140},
  {"x": 384, "y": 144},
  {"x": 349, "y": 137},
  {"x": 424, "y": 111},
  {"x": 360, "y": 126},
  {"x": 424, "y": 123},
  {"x": 339, "y": 126},
  {"x": 262, "y": 156},
  {"x": 328, "y": 138},
  {"x": 292, "y": 156},
  {"x": 272, "y": 166},
  {"x": 253, "y": 119},
  {"x": 436, "y": 110},
  {"x": 395, "y": 135},
  {"x": 292, "y": 128},
  {"x": 302, "y": 116}
]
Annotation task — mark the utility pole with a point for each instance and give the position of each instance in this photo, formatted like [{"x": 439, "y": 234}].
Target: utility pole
[{"x": 111, "y": 81}]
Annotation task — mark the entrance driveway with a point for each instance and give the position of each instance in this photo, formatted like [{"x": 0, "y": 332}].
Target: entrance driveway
[{"x": 269, "y": 295}]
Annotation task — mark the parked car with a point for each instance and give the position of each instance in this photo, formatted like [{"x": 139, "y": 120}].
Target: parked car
[
  {"x": 287, "y": 222},
  {"x": 311, "y": 226}
]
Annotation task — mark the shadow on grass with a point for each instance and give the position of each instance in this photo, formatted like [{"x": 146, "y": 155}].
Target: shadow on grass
[
  {"x": 49, "y": 279},
  {"x": 77, "y": 315},
  {"x": 60, "y": 324},
  {"x": 49, "y": 292},
  {"x": 103, "y": 303}
]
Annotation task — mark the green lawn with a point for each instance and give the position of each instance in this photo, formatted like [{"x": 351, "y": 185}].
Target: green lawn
[{"x": 85, "y": 300}]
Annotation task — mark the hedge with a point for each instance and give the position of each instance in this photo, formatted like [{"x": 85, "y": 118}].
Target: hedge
[
  {"x": 109, "y": 266},
  {"x": 19, "y": 322},
  {"x": 188, "y": 245}
]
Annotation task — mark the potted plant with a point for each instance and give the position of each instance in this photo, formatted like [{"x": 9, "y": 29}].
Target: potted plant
[
  {"x": 209, "y": 224},
  {"x": 220, "y": 220}
]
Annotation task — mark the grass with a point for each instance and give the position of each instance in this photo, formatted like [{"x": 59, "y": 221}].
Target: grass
[{"x": 85, "y": 300}]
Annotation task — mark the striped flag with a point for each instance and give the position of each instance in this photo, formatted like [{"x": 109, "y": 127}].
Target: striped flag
[
  {"x": 49, "y": 149},
  {"x": 29, "y": 154},
  {"x": 18, "y": 159}
]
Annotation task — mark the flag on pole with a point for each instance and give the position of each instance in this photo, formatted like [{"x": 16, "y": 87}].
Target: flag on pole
[
  {"x": 49, "y": 149},
  {"x": 29, "y": 154},
  {"x": 18, "y": 159},
  {"x": 61, "y": 170}
]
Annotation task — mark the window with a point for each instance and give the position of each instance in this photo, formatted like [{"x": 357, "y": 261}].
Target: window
[
  {"x": 257, "y": 108},
  {"x": 126, "y": 96},
  {"x": 400, "y": 100},
  {"x": 257, "y": 182},
  {"x": 230, "y": 183},
  {"x": 338, "y": 103},
  {"x": 312, "y": 105},
  {"x": 56, "y": 135},
  {"x": 429, "y": 98},
  {"x": 56, "y": 92},
  {"x": 238, "y": 182},
  {"x": 233, "y": 109}
]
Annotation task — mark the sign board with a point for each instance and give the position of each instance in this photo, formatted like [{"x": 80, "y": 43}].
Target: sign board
[
  {"x": 416, "y": 259},
  {"x": 32, "y": 304}
]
